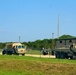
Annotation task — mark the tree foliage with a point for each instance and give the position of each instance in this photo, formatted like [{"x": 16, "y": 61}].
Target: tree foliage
[
  {"x": 40, "y": 44},
  {"x": 66, "y": 36}
]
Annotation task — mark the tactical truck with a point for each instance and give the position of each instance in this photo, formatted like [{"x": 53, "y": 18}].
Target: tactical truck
[
  {"x": 65, "y": 48},
  {"x": 14, "y": 48}
]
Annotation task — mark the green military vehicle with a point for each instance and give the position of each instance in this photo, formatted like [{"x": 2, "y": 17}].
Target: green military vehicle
[
  {"x": 65, "y": 48},
  {"x": 14, "y": 48}
]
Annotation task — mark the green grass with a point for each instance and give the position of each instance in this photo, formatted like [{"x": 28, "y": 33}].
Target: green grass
[
  {"x": 33, "y": 52},
  {"x": 23, "y": 65}
]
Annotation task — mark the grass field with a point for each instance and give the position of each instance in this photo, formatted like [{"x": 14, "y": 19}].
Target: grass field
[
  {"x": 34, "y": 52},
  {"x": 23, "y": 65}
]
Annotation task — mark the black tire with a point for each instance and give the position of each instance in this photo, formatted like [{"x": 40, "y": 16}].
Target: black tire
[
  {"x": 71, "y": 57},
  {"x": 45, "y": 52},
  {"x": 9, "y": 52},
  {"x": 17, "y": 53},
  {"x": 3, "y": 52},
  {"x": 52, "y": 52},
  {"x": 23, "y": 54},
  {"x": 62, "y": 55},
  {"x": 57, "y": 54}
]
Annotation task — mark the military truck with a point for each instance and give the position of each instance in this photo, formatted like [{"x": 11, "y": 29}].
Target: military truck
[
  {"x": 65, "y": 48},
  {"x": 45, "y": 52},
  {"x": 14, "y": 48}
]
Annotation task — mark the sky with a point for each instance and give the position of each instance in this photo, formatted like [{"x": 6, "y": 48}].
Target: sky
[{"x": 36, "y": 19}]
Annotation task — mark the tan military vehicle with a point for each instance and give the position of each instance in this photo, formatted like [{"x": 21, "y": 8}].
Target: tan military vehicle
[{"x": 14, "y": 48}]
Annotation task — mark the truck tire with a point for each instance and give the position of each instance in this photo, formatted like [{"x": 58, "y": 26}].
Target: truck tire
[
  {"x": 57, "y": 54},
  {"x": 17, "y": 53},
  {"x": 66, "y": 55},
  {"x": 74, "y": 57},
  {"x": 62, "y": 55},
  {"x": 23, "y": 54},
  {"x": 3, "y": 52},
  {"x": 9, "y": 52},
  {"x": 44, "y": 52},
  {"x": 52, "y": 52},
  {"x": 71, "y": 57}
]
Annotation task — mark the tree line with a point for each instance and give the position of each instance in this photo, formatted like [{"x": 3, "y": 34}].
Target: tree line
[
  {"x": 36, "y": 45},
  {"x": 39, "y": 44}
]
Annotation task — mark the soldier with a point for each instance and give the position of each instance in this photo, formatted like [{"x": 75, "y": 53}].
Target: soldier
[{"x": 71, "y": 47}]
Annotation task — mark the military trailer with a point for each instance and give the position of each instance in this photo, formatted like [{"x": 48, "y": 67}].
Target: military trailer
[
  {"x": 14, "y": 48},
  {"x": 65, "y": 48}
]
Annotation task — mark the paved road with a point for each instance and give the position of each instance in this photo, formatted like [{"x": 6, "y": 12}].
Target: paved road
[
  {"x": 33, "y": 55},
  {"x": 44, "y": 56}
]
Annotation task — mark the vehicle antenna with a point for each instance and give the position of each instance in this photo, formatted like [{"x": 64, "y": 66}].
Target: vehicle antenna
[{"x": 19, "y": 38}]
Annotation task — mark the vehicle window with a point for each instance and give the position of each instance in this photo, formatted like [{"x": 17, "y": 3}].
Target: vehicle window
[
  {"x": 70, "y": 41},
  {"x": 60, "y": 41},
  {"x": 23, "y": 47},
  {"x": 18, "y": 46}
]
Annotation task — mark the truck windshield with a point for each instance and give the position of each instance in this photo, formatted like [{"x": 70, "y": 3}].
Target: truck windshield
[
  {"x": 23, "y": 47},
  {"x": 20, "y": 47}
]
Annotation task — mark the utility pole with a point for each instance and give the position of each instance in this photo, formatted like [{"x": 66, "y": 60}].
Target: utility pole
[
  {"x": 19, "y": 38},
  {"x": 58, "y": 26},
  {"x": 52, "y": 40}
]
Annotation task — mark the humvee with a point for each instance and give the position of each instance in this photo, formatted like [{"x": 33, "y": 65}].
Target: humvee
[{"x": 14, "y": 48}]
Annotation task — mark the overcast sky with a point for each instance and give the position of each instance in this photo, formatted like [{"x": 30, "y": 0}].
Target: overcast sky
[{"x": 36, "y": 19}]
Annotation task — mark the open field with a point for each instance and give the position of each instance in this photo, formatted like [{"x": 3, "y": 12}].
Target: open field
[
  {"x": 34, "y": 52},
  {"x": 26, "y": 65},
  {"x": 43, "y": 56}
]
